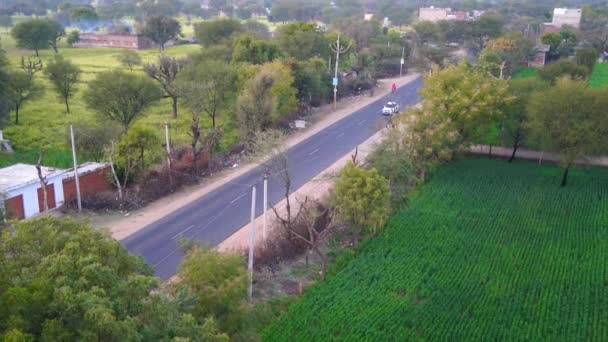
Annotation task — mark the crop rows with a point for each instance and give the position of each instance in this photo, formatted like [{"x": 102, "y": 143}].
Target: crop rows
[{"x": 486, "y": 251}]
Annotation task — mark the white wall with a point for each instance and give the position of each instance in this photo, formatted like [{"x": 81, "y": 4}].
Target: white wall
[{"x": 30, "y": 195}]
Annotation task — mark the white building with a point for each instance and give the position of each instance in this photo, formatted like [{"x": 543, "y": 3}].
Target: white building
[
  {"x": 22, "y": 194},
  {"x": 433, "y": 14},
  {"x": 20, "y": 186},
  {"x": 567, "y": 16}
]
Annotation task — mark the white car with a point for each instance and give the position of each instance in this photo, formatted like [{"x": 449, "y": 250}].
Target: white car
[{"x": 390, "y": 108}]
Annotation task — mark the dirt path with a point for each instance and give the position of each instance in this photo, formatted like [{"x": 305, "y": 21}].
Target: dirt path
[
  {"x": 540, "y": 156},
  {"x": 122, "y": 225}
]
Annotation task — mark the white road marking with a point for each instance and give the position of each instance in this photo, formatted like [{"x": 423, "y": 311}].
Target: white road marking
[
  {"x": 361, "y": 122},
  {"x": 238, "y": 198},
  {"x": 313, "y": 152},
  {"x": 340, "y": 135},
  {"x": 182, "y": 232}
]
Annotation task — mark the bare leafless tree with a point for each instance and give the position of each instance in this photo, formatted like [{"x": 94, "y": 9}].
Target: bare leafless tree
[
  {"x": 127, "y": 169},
  {"x": 43, "y": 184},
  {"x": 207, "y": 141},
  {"x": 31, "y": 66},
  {"x": 165, "y": 73},
  {"x": 319, "y": 224},
  {"x": 268, "y": 147}
]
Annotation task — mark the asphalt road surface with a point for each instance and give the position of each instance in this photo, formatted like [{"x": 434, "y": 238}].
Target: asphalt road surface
[{"x": 215, "y": 216}]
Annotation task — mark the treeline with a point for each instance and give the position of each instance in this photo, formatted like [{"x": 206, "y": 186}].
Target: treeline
[{"x": 63, "y": 280}]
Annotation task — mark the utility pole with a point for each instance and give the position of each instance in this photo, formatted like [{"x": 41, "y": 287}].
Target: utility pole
[
  {"x": 338, "y": 50},
  {"x": 402, "y": 61},
  {"x": 251, "y": 243},
  {"x": 265, "y": 207},
  {"x": 167, "y": 144},
  {"x": 76, "y": 180}
]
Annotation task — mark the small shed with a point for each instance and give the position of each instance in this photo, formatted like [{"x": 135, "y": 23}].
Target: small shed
[
  {"x": 540, "y": 55},
  {"x": 23, "y": 194}
]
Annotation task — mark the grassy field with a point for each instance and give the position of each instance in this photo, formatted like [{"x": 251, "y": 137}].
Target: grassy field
[
  {"x": 486, "y": 251},
  {"x": 599, "y": 76},
  {"x": 43, "y": 121},
  {"x": 526, "y": 72}
]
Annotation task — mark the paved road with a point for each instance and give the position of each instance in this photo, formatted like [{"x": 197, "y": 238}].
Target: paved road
[{"x": 215, "y": 216}]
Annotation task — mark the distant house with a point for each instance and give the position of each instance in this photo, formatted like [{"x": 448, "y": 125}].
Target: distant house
[
  {"x": 117, "y": 40},
  {"x": 540, "y": 55},
  {"x": 22, "y": 192},
  {"x": 561, "y": 17},
  {"x": 436, "y": 14},
  {"x": 567, "y": 16},
  {"x": 433, "y": 14}
]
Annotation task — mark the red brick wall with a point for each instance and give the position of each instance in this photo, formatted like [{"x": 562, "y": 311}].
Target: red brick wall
[
  {"x": 124, "y": 41},
  {"x": 14, "y": 207},
  {"x": 90, "y": 183},
  {"x": 50, "y": 197}
]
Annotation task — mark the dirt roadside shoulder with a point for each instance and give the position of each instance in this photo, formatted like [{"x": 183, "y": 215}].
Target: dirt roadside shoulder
[{"x": 123, "y": 225}]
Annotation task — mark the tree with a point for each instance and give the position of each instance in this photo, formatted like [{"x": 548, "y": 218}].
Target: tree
[
  {"x": 359, "y": 30},
  {"x": 563, "y": 67},
  {"x": 516, "y": 112},
  {"x": 427, "y": 32},
  {"x": 310, "y": 81},
  {"x": 22, "y": 88},
  {"x": 73, "y": 37},
  {"x": 80, "y": 284},
  {"x": 6, "y": 100},
  {"x": 6, "y": 21},
  {"x": 282, "y": 89},
  {"x": 554, "y": 40},
  {"x": 33, "y": 34},
  {"x": 218, "y": 282},
  {"x": 319, "y": 223},
  {"x": 248, "y": 49},
  {"x": 121, "y": 96},
  {"x": 569, "y": 119},
  {"x": 129, "y": 59},
  {"x": 57, "y": 31},
  {"x": 459, "y": 107},
  {"x": 594, "y": 27},
  {"x": 64, "y": 75},
  {"x": 217, "y": 31},
  {"x": 362, "y": 198},
  {"x": 206, "y": 88},
  {"x": 587, "y": 57},
  {"x": 393, "y": 163},
  {"x": 486, "y": 27},
  {"x": 255, "y": 105},
  {"x": 93, "y": 139},
  {"x": 514, "y": 50},
  {"x": 165, "y": 73},
  {"x": 138, "y": 140},
  {"x": 160, "y": 29},
  {"x": 303, "y": 41},
  {"x": 455, "y": 31},
  {"x": 84, "y": 17}
]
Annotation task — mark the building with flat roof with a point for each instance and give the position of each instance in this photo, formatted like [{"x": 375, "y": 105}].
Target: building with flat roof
[
  {"x": 116, "y": 40},
  {"x": 23, "y": 196},
  {"x": 433, "y": 14},
  {"x": 567, "y": 16}
]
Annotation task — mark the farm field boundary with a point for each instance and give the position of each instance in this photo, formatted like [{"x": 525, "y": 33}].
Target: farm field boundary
[{"x": 486, "y": 251}]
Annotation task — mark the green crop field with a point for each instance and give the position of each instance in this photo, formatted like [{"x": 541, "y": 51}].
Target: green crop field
[
  {"x": 599, "y": 76},
  {"x": 486, "y": 251}
]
